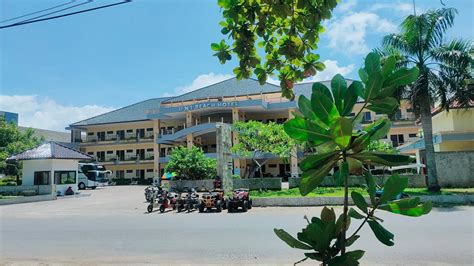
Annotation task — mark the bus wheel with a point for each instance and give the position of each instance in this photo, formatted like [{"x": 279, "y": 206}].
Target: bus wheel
[{"x": 82, "y": 186}]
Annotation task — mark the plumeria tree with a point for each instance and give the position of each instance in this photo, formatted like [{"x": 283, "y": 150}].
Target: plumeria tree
[
  {"x": 256, "y": 137},
  {"x": 325, "y": 122},
  {"x": 286, "y": 31}
]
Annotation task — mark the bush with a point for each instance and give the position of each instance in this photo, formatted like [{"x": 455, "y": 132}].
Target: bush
[
  {"x": 191, "y": 164},
  {"x": 122, "y": 181},
  {"x": 8, "y": 181}
]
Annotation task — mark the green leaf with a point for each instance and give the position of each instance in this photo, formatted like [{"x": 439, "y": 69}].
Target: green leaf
[
  {"x": 372, "y": 64},
  {"x": 388, "y": 66},
  {"x": 291, "y": 241},
  {"x": 339, "y": 89},
  {"x": 328, "y": 215},
  {"x": 377, "y": 158},
  {"x": 315, "y": 256},
  {"x": 315, "y": 160},
  {"x": 402, "y": 77},
  {"x": 363, "y": 75},
  {"x": 409, "y": 207},
  {"x": 324, "y": 107},
  {"x": 340, "y": 224},
  {"x": 321, "y": 88},
  {"x": 387, "y": 105},
  {"x": 375, "y": 131},
  {"x": 304, "y": 104},
  {"x": 392, "y": 187},
  {"x": 371, "y": 187},
  {"x": 354, "y": 214},
  {"x": 351, "y": 240},
  {"x": 301, "y": 129},
  {"x": 312, "y": 178},
  {"x": 341, "y": 132},
  {"x": 355, "y": 90},
  {"x": 382, "y": 234},
  {"x": 374, "y": 84},
  {"x": 215, "y": 46},
  {"x": 343, "y": 260},
  {"x": 359, "y": 201},
  {"x": 315, "y": 233}
]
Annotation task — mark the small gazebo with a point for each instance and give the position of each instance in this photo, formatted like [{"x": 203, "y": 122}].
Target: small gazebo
[{"x": 52, "y": 164}]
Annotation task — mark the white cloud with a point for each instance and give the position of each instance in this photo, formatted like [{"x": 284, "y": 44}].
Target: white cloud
[
  {"x": 405, "y": 8},
  {"x": 45, "y": 113},
  {"x": 199, "y": 82},
  {"x": 331, "y": 69},
  {"x": 348, "y": 34},
  {"x": 346, "y": 5}
]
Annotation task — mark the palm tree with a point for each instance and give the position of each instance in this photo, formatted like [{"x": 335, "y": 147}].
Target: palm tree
[{"x": 445, "y": 73}]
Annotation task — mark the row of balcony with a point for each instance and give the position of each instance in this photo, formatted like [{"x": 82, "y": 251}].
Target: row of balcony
[
  {"x": 125, "y": 159},
  {"x": 117, "y": 138}
]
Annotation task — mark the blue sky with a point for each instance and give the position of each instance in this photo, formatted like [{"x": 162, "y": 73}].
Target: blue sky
[{"x": 58, "y": 72}]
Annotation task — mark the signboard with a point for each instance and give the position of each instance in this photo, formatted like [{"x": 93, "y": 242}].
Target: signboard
[{"x": 205, "y": 105}]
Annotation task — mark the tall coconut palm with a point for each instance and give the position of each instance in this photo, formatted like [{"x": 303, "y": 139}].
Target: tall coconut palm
[{"x": 444, "y": 70}]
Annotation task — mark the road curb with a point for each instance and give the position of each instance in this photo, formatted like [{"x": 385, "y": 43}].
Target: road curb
[{"x": 321, "y": 201}]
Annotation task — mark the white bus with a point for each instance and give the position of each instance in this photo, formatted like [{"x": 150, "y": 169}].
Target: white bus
[{"x": 91, "y": 175}]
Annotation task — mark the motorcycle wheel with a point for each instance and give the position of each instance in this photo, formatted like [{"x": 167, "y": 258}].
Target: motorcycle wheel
[
  {"x": 218, "y": 206},
  {"x": 201, "y": 208},
  {"x": 244, "y": 205},
  {"x": 162, "y": 208},
  {"x": 150, "y": 208}
]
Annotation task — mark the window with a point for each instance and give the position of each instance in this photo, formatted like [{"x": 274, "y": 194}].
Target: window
[
  {"x": 129, "y": 130},
  {"x": 149, "y": 129},
  {"x": 409, "y": 110},
  {"x": 120, "y": 174},
  {"x": 272, "y": 166},
  {"x": 129, "y": 171},
  {"x": 64, "y": 177},
  {"x": 412, "y": 135},
  {"x": 110, "y": 132},
  {"x": 149, "y": 170},
  {"x": 110, "y": 152},
  {"x": 129, "y": 151},
  {"x": 41, "y": 178},
  {"x": 90, "y": 133},
  {"x": 367, "y": 117},
  {"x": 149, "y": 149},
  {"x": 91, "y": 153},
  {"x": 397, "y": 140},
  {"x": 352, "y": 114}
]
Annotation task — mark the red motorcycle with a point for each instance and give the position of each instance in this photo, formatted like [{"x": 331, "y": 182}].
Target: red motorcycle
[{"x": 167, "y": 200}]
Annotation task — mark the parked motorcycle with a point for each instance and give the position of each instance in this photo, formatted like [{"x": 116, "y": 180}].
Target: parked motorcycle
[{"x": 167, "y": 200}]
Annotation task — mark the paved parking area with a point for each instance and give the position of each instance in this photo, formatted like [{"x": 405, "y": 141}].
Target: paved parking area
[{"x": 111, "y": 226}]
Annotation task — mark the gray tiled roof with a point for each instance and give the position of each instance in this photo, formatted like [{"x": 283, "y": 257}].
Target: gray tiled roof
[
  {"x": 134, "y": 112},
  {"x": 227, "y": 88},
  {"x": 51, "y": 150},
  {"x": 306, "y": 88},
  {"x": 49, "y": 134}
]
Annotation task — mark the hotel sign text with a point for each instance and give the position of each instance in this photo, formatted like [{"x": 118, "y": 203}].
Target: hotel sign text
[{"x": 198, "y": 106}]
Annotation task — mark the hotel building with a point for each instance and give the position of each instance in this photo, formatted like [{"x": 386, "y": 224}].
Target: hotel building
[{"x": 135, "y": 141}]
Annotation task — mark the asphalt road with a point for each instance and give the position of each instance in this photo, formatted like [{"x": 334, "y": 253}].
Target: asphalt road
[{"x": 111, "y": 226}]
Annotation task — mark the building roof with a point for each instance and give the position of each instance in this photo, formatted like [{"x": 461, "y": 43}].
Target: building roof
[
  {"x": 51, "y": 150},
  {"x": 227, "y": 88},
  {"x": 49, "y": 135},
  {"x": 134, "y": 112}
]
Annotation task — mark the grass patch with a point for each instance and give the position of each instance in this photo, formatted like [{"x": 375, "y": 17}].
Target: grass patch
[{"x": 339, "y": 192}]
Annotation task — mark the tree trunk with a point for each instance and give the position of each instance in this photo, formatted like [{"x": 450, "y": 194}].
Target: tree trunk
[{"x": 427, "y": 125}]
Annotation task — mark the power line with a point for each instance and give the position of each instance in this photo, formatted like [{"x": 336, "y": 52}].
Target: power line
[
  {"x": 40, "y": 11},
  {"x": 54, "y": 12},
  {"x": 64, "y": 15}
]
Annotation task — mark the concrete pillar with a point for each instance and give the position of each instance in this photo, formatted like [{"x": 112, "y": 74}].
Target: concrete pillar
[
  {"x": 189, "y": 141},
  {"x": 294, "y": 152},
  {"x": 156, "y": 148},
  {"x": 189, "y": 123},
  {"x": 236, "y": 116}
]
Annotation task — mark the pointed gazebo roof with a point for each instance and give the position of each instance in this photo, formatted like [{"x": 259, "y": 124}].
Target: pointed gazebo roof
[{"x": 51, "y": 150}]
